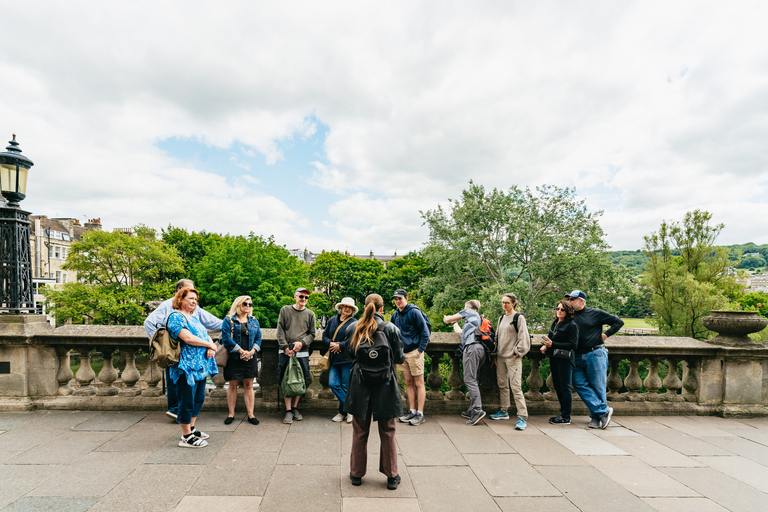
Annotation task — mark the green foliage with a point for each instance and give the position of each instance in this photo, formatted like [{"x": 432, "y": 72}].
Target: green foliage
[
  {"x": 635, "y": 260},
  {"x": 687, "y": 287},
  {"x": 239, "y": 265},
  {"x": 538, "y": 244},
  {"x": 119, "y": 274},
  {"x": 338, "y": 275},
  {"x": 191, "y": 246}
]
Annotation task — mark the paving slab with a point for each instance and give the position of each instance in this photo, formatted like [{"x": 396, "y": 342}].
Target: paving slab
[
  {"x": 684, "y": 505},
  {"x": 614, "y": 431},
  {"x": 111, "y": 421},
  {"x": 508, "y": 426},
  {"x": 380, "y": 505},
  {"x": 741, "y": 469},
  {"x": 756, "y": 435},
  {"x": 308, "y": 448},
  {"x": 543, "y": 451},
  {"x": 236, "y": 471},
  {"x": 141, "y": 437},
  {"x": 17, "y": 481},
  {"x": 172, "y": 453},
  {"x": 536, "y": 504},
  {"x": 9, "y": 454},
  {"x": 62, "y": 419},
  {"x": 233, "y": 503},
  {"x": 541, "y": 422},
  {"x": 683, "y": 443},
  {"x": 720, "y": 488},
  {"x": 51, "y": 504},
  {"x": 65, "y": 448},
  {"x": 267, "y": 436},
  {"x": 139, "y": 490},
  {"x": 754, "y": 422},
  {"x": 374, "y": 482},
  {"x": 653, "y": 453},
  {"x": 450, "y": 488},
  {"x": 509, "y": 475},
  {"x": 429, "y": 450},
  {"x": 95, "y": 474},
  {"x": 742, "y": 447},
  {"x": 209, "y": 421},
  {"x": 692, "y": 427},
  {"x": 11, "y": 420},
  {"x": 583, "y": 442},
  {"x": 591, "y": 490},
  {"x": 316, "y": 425},
  {"x": 430, "y": 426},
  {"x": 639, "y": 478},
  {"x": 28, "y": 436},
  {"x": 317, "y": 489},
  {"x": 475, "y": 438},
  {"x": 636, "y": 422}
]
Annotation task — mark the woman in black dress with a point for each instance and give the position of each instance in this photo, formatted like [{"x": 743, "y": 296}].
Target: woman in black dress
[
  {"x": 560, "y": 346},
  {"x": 241, "y": 335}
]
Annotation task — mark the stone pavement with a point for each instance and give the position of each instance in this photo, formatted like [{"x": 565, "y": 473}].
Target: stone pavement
[{"x": 112, "y": 461}]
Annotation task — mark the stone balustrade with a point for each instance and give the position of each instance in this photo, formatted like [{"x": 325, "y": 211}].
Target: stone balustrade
[{"x": 706, "y": 378}]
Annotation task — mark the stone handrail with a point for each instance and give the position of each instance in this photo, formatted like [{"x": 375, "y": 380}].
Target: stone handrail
[{"x": 716, "y": 378}]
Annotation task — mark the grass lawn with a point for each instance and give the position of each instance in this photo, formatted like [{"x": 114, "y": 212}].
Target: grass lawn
[{"x": 637, "y": 323}]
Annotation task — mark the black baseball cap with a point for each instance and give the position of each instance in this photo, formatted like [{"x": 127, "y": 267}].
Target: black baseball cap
[{"x": 400, "y": 293}]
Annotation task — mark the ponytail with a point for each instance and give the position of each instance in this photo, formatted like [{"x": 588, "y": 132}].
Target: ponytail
[{"x": 367, "y": 325}]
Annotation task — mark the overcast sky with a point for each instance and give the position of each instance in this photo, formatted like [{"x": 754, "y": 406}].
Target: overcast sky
[{"x": 330, "y": 125}]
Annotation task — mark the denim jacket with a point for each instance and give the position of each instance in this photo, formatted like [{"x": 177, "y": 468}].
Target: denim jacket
[{"x": 254, "y": 335}]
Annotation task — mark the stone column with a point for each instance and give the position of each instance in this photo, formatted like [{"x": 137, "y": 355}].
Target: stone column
[
  {"x": 108, "y": 374},
  {"x": 534, "y": 380},
  {"x": 64, "y": 374},
  {"x": 131, "y": 374},
  {"x": 672, "y": 381},
  {"x": 652, "y": 381},
  {"x": 633, "y": 381},
  {"x": 455, "y": 380},
  {"x": 435, "y": 380},
  {"x": 614, "y": 382},
  {"x": 152, "y": 377},
  {"x": 85, "y": 374}
]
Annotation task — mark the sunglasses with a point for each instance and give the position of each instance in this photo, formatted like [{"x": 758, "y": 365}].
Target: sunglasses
[
  {"x": 247, "y": 304},
  {"x": 303, "y": 296},
  {"x": 559, "y": 309},
  {"x": 505, "y": 302}
]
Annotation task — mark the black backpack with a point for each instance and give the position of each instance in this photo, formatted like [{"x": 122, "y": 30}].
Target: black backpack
[
  {"x": 374, "y": 360},
  {"x": 486, "y": 336}
]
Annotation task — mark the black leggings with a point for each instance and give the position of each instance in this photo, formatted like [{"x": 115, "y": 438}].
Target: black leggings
[{"x": 562, "y": 370}]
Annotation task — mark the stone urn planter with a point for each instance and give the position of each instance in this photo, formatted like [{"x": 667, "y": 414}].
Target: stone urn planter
[{"x": 732, "y": 327}]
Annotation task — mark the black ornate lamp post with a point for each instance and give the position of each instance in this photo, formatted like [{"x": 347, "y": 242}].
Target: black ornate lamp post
[{"x": 15, "y": 258}]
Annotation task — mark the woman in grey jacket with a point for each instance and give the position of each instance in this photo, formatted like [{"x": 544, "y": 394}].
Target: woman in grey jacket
[{"x": 379, "y": 401}]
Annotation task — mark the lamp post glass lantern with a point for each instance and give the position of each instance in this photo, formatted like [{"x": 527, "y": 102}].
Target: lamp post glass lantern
[{"x": 15, "y": 258}]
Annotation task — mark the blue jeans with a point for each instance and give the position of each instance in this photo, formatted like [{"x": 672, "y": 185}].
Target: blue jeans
[
  {"x": 191, "y": 399},
  {"x": 589, "y": 380},
  {"x": 338, "y": 379},
  {"x": 171, "y": 392}
]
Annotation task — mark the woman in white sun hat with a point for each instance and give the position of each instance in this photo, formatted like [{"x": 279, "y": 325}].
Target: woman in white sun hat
[{"x": 338, "y": 332}]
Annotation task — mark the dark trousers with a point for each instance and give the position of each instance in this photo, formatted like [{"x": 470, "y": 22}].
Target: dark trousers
[
  {"x": 562, "y": 369},
  {"x": 358, "y": 459},
  {"x": 171, "y": 392},
  {"x": 191, "y": 399}
]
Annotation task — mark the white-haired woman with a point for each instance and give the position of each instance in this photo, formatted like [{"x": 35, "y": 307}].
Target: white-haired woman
[
  {"x": 338, "y": 332},
  {"x": 241, "y": 335}
]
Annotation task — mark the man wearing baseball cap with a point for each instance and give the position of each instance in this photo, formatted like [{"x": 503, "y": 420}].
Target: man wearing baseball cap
[
  {"x": 295, "y": 332},
  {"x": 591, "y": 370}
]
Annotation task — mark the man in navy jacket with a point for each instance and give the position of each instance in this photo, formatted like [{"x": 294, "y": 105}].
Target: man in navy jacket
[{"x": 415, "y": 333}]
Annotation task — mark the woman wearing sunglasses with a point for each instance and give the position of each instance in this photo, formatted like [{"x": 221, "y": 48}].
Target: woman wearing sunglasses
[
  {"x": 560, "y": 346},
  {"x": 241, "y": 336}
]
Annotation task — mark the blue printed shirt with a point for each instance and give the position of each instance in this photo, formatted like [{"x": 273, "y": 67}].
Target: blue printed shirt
[{"x": 192, "y": 363}]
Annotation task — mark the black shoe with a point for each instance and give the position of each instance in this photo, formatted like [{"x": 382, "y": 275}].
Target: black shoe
[
  {"x": 465, "y": 414},
  {"x": 229, "y": 420},
  {"x": 392, "y": 483},
  {"x": 253, "y": 421},
  {"x": 358, "y": 481},
  {"x": 559, "y": 420}
]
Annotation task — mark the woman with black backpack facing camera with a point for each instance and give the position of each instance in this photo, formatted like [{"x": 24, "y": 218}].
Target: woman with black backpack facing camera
[{"x": 373, "y": 391}]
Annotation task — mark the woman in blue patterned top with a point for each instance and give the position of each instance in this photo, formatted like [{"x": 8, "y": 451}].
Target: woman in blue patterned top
[{"x": 196, "y": 363}]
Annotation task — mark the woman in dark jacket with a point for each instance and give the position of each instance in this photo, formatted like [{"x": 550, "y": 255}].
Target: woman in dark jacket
[
  {"x": 563, "y": 336},
  {"x": 378, "y": 401},
  {"x": 337, "y": 334},
  {"x": 241, "y": 335}
]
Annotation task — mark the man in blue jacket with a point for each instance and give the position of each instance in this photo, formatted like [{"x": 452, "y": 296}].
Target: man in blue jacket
[
  {"x": 157, "y": 319},
  {"x": 415, "y": 333}
]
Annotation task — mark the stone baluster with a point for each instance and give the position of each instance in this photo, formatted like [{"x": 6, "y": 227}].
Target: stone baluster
[
  {"x": 534, "y": 380},
  {"x": 152, "y": 376},
  {"x": 326, "y": 392},
  {"x": 455, "y": 380},
  {"x": 64, "y": 374},
  {"x": 257, "y": 392},
  {"x": 614, "y": 382},
  {"x": 85, "y": 374},
  {"x": 218, "y": 382},
  {"x": 633, "y": 381},
  {"x": 130, "y": 374},
  {"x": 435, "y": 380},
  {"x": 691, "y": 379},
  {"x": 652, "y": 381},
  {"x": 551, "y": 394},
  {"x": 672, "y": 381},
  {"x": 108, "y": 373}
]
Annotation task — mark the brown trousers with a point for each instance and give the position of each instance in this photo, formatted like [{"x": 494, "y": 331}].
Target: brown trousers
[{"x": 358, "y": 460}]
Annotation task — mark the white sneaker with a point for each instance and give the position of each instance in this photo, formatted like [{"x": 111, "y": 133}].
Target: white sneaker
[
  {"x": 339, "y": 417},
  {"x": 349, "y": 418}
]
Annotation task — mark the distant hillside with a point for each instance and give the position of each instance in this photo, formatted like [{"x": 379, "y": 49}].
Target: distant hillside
[{"x": 752, "y": 256}]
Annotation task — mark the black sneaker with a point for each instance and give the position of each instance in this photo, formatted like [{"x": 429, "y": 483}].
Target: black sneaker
[
  {"x": 355, "y": 480},
  {"x": 475, "y": 418},
  {"x": 405, "y": 418},
  {"x": 393, "y": 482},
  {"x": 559, "y": 420},
  {"x": 465, "y": 414}
]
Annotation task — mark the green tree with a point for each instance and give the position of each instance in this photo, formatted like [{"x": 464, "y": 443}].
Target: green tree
[
  {"x": 252, "y": 265},
  {"x": 191, "y": 246},
  {"x": 407, "y": 273},
  {"x": 337, "y": 276},
  {"x": 119, "y": 273},
  {"x": 687, "y": 287},
  {"x": 538, "y": 244}
]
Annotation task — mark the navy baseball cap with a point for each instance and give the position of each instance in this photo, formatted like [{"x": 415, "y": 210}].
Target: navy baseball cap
[
  {"x": 576, "y": 294},
  {"x": 400, "y": 293}
]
